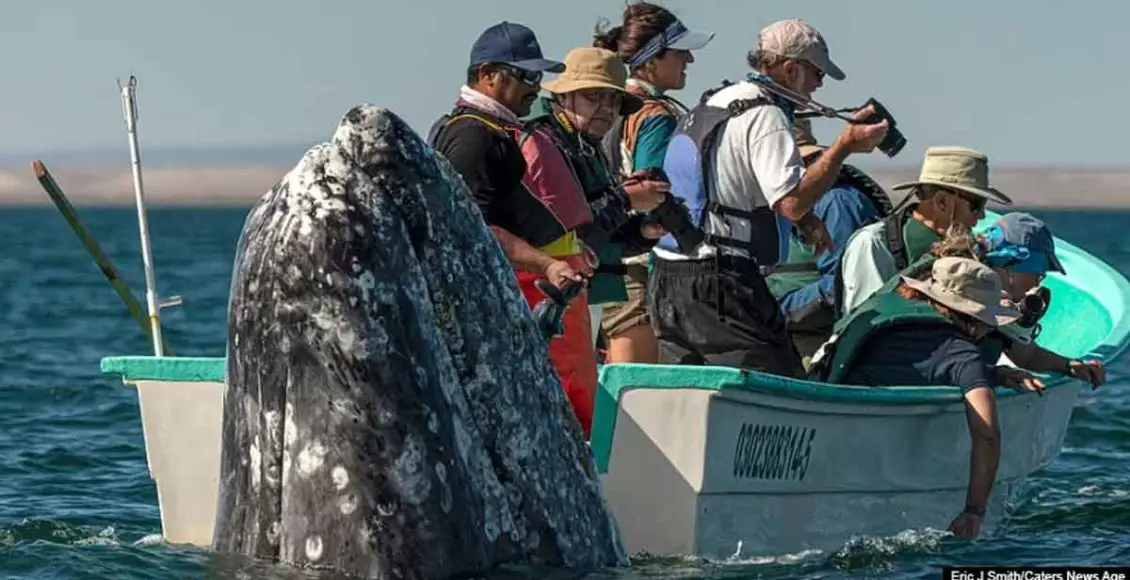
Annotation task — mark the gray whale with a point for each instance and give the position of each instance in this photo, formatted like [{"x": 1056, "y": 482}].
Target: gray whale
[{"x": 391, "y": 411}]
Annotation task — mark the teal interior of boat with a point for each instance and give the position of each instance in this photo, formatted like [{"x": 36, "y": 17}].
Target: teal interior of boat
[{"x": 1088, "y": 317}]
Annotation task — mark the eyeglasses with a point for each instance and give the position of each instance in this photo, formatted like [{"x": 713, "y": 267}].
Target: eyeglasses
[
  {"x": 599, "y": 98},
  {"x": 815, "y": 69},
  {"x": 976, "y": 203}
]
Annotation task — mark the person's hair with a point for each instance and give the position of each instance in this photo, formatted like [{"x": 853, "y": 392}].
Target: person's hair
[
  {"x": 642, "y": 21},
  {"x": 910, "y": 293},
  {"x": 958, "y": 243},
  {"x": 763, "y": 61}
]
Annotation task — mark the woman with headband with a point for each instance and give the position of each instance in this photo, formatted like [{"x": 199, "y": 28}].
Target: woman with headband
[{"x": 656, "y": 47}]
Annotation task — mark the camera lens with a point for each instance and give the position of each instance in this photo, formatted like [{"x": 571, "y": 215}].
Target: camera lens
[{"x": 893, "y": 143}]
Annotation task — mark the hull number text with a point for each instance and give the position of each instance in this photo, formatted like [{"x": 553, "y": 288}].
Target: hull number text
[{"x": 773, "y": 451}]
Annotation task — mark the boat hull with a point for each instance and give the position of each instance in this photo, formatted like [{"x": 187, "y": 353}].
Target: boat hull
[{"x": 751, "y": 474}]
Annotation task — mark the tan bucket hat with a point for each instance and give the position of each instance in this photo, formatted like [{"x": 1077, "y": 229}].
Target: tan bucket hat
[
  {"x": 958, "y": 168},
  {"x": 969, "y": 287},
  {"x": 805, "y": 141},
  {"x": 595, "y": 68}
]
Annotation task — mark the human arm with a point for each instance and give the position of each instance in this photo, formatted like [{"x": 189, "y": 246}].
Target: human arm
[
  {"x": 1035, "y": 358},
  {"x": 821, "y": 174},
  {"x": 651, "y": 145},
  {"x": 959, "y": 362},
  {"x": 477, "y": 154},
  {"x": 843, "y": 210},
  {"x": 984, "y": 432}
]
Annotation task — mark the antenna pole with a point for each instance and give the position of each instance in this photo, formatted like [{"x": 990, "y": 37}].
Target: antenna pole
[{"x": 129, "y": 105}]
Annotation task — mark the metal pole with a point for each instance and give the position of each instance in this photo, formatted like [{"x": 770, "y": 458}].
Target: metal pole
[{"x": 129, "y": 104}]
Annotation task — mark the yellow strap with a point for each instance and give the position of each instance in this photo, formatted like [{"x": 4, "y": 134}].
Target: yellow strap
[
  {"x": 566, "y": 245},
  {"x": 482, "y": 120}
]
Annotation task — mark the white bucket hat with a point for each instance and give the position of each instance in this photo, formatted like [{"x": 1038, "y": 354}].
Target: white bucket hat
[{"x": 969, "y": 287}]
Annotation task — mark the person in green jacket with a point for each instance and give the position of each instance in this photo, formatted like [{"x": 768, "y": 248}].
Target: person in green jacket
[
  {"x": 581, "y": 107},
  {"x": 936, "y": 330}
]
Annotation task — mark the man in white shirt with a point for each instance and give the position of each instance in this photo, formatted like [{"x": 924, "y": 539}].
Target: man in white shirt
[{"x": 709, "y": 304}]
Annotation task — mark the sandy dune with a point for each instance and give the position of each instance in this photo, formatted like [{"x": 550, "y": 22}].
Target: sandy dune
[{"x": 241, "y": 186}]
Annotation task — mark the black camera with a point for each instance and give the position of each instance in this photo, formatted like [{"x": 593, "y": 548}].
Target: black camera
[
  {"x": 1032, "y": 308},
  {"x": 894, "y": 141}
]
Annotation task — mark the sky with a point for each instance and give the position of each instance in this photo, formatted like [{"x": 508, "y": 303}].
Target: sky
[{"x": 1033, "y": 83}]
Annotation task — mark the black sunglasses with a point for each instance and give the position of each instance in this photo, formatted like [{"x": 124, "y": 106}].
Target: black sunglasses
[{"x": 526, "y": 77}]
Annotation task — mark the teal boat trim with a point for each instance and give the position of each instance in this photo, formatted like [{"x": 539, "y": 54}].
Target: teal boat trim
[{"x": 166, "y": 368}]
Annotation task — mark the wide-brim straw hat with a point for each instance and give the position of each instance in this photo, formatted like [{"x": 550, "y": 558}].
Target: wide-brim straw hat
[
  {"x": 595, "y": 68},
  {"x": 958, "y": 168},
  {"x": 969, "y": 287}
]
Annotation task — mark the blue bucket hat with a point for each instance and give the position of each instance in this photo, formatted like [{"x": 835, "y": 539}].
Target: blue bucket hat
[
  {"x": 676, "y": 37},
  {"x": 1021, "y": 243},
  {"x": 515, "y": 45}
]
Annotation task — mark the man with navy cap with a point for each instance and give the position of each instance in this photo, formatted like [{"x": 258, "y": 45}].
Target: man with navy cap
[{"x": 479, "y": 138}]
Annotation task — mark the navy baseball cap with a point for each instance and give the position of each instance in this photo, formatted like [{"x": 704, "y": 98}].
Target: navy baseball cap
[
  {"x": 512, "y": 44},
  {"x": 1023, "y": 243}
]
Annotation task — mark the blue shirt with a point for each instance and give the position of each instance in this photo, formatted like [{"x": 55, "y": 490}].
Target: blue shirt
[
  {"x": 843, "y": 209},
  {"x": 903, "y": 357}
]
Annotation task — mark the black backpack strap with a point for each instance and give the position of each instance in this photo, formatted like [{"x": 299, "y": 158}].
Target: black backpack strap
[
  {"x": 734, "y": 109},
  {"x": 853, "y": 176},
  {"x": 895, "y": 242}
]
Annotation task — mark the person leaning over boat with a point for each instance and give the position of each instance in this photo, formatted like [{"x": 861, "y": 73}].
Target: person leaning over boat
[
  {"x": 708, "y": 302},
  {"x": 804, "y": 284},
  {"x": 1021, "y": 250},
  {"x": 657, "y": 49},
  {"x": 936, "y": 330},
  {"x": 951, "y": 192},
  {"x": 479, "y": 137},
  {"x": 560, "y": 141}
]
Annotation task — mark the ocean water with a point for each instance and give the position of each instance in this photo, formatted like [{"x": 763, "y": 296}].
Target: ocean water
[{"x": 76, "y": 500}]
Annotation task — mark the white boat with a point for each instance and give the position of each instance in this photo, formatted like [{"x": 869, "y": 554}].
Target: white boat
[{"x": 718, "y": 462}]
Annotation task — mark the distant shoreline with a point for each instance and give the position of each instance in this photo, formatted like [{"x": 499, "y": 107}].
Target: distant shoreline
[{"x": 241, "y": 187}]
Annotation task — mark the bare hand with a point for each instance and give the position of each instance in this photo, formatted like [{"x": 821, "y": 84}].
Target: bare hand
[
  {"x": 1091, "y": 371},
  {"x": 559, "y": 273},
  {"x": 652, "y": 231},
  {"x": 1019, "y": 380},
  {"x": 863, "y": 138},
  {"x": 646, "y": 194},
  {"x": 815, "y": 234},
  {"x": 966, "y": 525}
]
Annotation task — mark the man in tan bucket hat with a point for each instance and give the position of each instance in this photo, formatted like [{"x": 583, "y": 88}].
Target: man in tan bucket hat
[
  {"x": 566, "y": 171},
  {"x": 951, "y": 192}
]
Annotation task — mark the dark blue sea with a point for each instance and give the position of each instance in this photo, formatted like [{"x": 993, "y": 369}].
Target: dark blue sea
[{"x": 76, "y": 500}]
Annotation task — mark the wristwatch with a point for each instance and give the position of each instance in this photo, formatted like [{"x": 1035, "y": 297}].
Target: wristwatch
[
  {"x": 978, "y": 511},
  {"x": 1067, "y": 366}
]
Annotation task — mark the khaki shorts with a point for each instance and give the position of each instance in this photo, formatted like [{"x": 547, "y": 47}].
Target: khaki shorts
[{"x": 620, "y": 317}]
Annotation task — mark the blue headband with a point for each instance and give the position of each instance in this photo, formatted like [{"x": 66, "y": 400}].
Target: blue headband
[{"x": 656, "y": 45}]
